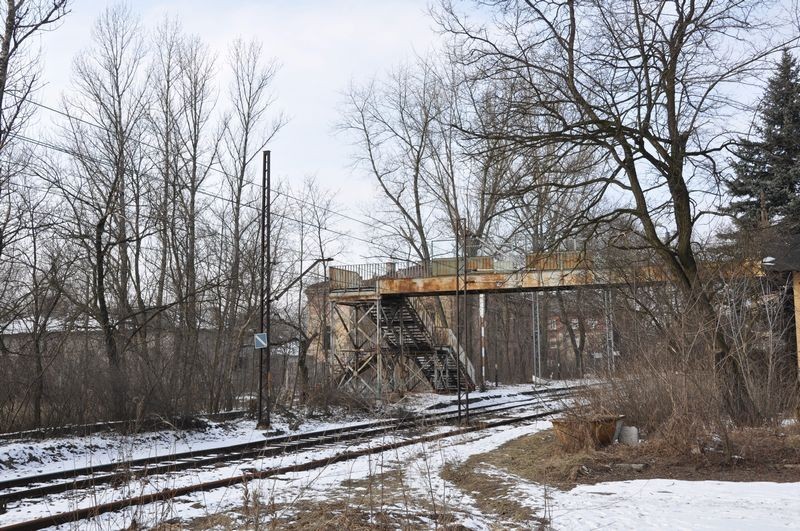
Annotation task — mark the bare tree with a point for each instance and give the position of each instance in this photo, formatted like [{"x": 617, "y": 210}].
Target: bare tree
[
  {"x": 246, "y": 133},
  {"x": 106, "y": 119},
  {"x": 316, "y": 207},
  {"x": 19, "y": 73},
  {"x": 19, "y": 80},
  {"x": 643, "y": 85},
  {"x": 392, "y": 123},
  {"x": 186, "y": 145}
]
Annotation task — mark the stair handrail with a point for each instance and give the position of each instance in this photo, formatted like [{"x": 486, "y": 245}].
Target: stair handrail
[
  {"x": 429, "y": 319},
  {"x": 462, "y": 355}
]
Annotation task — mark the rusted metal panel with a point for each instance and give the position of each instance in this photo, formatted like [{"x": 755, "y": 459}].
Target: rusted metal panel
[
  {"x": 557, "y": 260},
  {"x": 480, "y": 263},
  {"x": 353, "y": 296},
  {"x": 518, "y": 281},
  {"x": 343, "y": 279},
  {"x": 350, "y": 286},
  {"x": 487, "y": 282},
  {"x": 447, "y": 266}
]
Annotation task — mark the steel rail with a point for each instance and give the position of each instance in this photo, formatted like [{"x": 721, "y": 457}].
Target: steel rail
[
  {"x": 265, "y": 448},
  {"x": 88, "y": 476},
  {"x": 229, "y": 452},
  {"x": 167, "y": 494}
]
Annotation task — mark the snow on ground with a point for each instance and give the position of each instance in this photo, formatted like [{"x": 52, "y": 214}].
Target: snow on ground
[
  {"x": 648, "y": 504},
  {"x": 669, "y": 504},
  {"x": 640, "y": 504},
  {"x": 318, "y": 481},
  {"x": 31, "y": 457},
  {"x": 89, "y": 497},
  {"x": 422, "y": 464}
]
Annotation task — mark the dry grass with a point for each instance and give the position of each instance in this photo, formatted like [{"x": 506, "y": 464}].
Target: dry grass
[
  {"x": 763, "y": 454},
  {"x": 383, "y": 501},
  {"x": 339, "y": 516},
  {"x": 378, "y": 502},
  {"x": 539, "y": 458},
  {"x": 214, "y": 521}
]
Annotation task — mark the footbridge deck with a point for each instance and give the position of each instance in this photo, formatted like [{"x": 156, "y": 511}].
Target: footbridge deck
[{"x": 559, "y": 270}]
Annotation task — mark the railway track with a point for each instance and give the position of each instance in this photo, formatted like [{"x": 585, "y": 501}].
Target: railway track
[
  {"x": 18, "y": 490},
  {"x": 122, "y": 426}
]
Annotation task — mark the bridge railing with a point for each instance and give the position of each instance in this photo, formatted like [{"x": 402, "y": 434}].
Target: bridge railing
[{"x": 364, "y": 277}]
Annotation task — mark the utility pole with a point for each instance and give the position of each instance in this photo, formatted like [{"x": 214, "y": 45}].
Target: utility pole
[
  {"x": 264, "y": 380},
  {"x": 609, "y": 324}
]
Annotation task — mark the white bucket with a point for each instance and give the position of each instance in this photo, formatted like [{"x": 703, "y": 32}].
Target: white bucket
[{"x": 629, "y": 435}]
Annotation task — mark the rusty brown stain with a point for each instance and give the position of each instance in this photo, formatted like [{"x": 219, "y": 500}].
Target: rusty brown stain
[{"x": 490, "y": 282}]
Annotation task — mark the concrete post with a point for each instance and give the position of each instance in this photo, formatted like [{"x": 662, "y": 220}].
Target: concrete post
[{"x": 796, "y": 295}]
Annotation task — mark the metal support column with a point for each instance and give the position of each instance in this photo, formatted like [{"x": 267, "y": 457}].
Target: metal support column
[
  {"x": 539, "y": 333},
  {"x": 482, "y": 313},
  {"x": 378, "y": 351},
  {"x": 467, "y": 328},
  {"x": 536, "y": 333},
  {"x": 458, "y": 321},
  {"x": 533, "y": 333},
  {"x": 264, "y": 380},
  {"x": 609, "y": 322},
  {"x": 330, "y": 353}
]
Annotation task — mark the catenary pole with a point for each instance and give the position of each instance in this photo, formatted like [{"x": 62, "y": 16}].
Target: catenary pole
[
  {"x": 268, "y": 302},
  {"x": 264, "y": 359}
]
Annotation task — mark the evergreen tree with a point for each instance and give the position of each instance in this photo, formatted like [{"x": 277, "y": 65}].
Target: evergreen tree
[{"x": 766, "y": 188}]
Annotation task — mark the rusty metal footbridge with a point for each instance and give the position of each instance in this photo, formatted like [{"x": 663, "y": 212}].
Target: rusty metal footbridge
[{"x": 388, "y": 323}]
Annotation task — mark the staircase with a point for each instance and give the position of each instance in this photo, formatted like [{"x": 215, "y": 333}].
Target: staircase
[
  {"x": 439, "y": 367},
  {"x": 408, "y": 328}
]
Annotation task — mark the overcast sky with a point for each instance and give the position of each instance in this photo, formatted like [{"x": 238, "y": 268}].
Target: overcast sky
[{"x": 322, "y": 46}]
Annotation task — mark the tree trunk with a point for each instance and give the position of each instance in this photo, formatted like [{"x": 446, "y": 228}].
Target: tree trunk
[{"x": 117, "y": 378}]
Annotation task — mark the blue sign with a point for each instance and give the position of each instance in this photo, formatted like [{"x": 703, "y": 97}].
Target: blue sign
[{"x": 261, "y": 340}]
